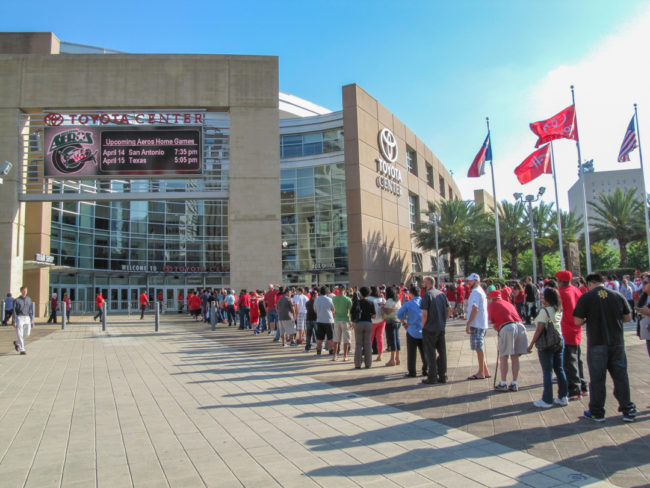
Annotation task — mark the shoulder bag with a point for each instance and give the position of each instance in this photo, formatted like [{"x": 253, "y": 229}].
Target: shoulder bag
[{"x": 550, "y": 339}]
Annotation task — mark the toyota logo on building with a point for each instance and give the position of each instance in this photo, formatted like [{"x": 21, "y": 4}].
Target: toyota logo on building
[
  {"x": 388, "y": 145},
  {"x": 53, "y": 119}
]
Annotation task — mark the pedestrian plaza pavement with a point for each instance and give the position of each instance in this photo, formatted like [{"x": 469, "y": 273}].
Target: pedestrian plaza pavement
[{"x": 188, "y": 406}]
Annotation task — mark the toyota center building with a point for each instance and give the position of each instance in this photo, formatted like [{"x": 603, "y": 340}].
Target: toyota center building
[{"x": 175, "y": 172}]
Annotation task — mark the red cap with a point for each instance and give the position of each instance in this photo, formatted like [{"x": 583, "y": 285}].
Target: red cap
[
  {"x": 494, "y": 294},
  {"x": 564, "y": 275}
]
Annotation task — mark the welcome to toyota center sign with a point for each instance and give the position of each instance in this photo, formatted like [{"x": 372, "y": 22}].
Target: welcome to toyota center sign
[{"x": 128, "y": 149}]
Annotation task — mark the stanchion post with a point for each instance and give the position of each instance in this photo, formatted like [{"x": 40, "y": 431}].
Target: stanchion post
[
  {"x": 104, "y": 317},
  {"x": 157, "y": 324},
  {"x": 63, "y": 317},
  {"x": 213, "y": 316}
]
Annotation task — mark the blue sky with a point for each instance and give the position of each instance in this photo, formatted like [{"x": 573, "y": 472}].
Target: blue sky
[{"x": 440, "y": 66}]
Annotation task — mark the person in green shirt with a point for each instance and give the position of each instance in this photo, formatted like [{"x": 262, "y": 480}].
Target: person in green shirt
[{"x": 342, "y": 334}]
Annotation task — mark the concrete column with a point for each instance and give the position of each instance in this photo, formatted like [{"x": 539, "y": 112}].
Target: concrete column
[
  {"x": 12, "y": 213},
  {"x": 254, "y": 239},
  {"x": 38, "y": 218}
]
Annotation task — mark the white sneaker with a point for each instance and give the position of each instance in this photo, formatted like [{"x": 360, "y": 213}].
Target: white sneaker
[
  {"x": 542, "y": 404},
  {"x": 562, "y": 402}
]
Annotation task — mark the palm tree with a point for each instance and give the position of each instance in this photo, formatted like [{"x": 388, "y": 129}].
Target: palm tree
[
  {"x": 514, "y": 231},
  {"x": 544, "y": 225},
  {"x": 618, "y": 216},
  {"x": 454, "y": 229}
]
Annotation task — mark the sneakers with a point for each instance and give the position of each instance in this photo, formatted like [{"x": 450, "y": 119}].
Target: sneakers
[
  {"x": 542, "y": 404},
  {"x": 513, "y": 387},
  {"x": 562, "y": 402},
  {"x": 574, "y": 398},
  {"x": 629, "y": 415},
  {"x": 318, "y": 352},
  {"x": 22, "y": 353},
  {"x": 293, "y": 344},
  {"x": 501, "y": 387},
  {"x": 16, "y": 346},
  {"x": 587, "y": 414},
  {"x": 584, "y": 393}
]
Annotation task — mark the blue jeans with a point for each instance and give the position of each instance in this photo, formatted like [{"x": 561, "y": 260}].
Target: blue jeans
[
  {"x": 601, "y": 359},
  {"x": 232, "y": 318},
  {"x": 310, "y": 328},
  {"x": 392, "y": 335},
  {"x": 262, "y": 324},
  {"x": 244, "y": 317},
  {"x": 552, "y": 361}
]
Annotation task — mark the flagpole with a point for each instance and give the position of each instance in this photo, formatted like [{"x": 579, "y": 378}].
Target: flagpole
[
  {"x": 496, "y": 205},
  {"x": 645, "y": 194},
  {"x": 582, "y": 183},
  {"x": 557, "y": 206}
]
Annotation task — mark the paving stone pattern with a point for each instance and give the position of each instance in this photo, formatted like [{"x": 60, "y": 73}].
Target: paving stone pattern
[{"x": 185, "y": 407}]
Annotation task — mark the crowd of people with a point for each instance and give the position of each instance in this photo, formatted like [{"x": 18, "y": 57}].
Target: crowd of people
[{"x": 327, "y": 318}]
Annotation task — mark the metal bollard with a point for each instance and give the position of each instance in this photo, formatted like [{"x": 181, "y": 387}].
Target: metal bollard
[
  {"x": 104, "y": 317},
  {"x": 213, "y": 316},
  {"x": 63, "y": 317},
  {"x": 157, "y": 323}
]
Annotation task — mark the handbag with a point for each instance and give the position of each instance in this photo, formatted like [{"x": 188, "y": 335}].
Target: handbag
[{"x": 550, "y": 339}]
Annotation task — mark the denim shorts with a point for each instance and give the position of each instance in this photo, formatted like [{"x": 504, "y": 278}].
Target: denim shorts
[{"x": 477, "y": 339}]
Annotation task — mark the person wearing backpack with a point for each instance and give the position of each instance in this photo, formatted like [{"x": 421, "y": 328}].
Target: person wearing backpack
[{"x": 550, "y": 349}]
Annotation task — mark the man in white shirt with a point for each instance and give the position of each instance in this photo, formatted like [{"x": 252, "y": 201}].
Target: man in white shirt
[
  {"x": 300, "y": 312},
  {"x": 477, "y": 325}
]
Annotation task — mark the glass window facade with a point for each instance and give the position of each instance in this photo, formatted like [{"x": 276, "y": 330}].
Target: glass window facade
[
  {"x": 314, "y": 224},
  {"x": 411, "y": 161},
  {"x": 309, "y": 144},
  {"x": 429, "y": 174},
  {"x": 414, "y": 211}
]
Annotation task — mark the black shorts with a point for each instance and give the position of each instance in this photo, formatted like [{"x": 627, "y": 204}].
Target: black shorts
[
  {"x": 196, "y": 312},
  {"x": 323, "y": 330}
]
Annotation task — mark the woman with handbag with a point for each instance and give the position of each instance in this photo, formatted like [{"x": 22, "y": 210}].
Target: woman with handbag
[{"x": 550, "y": 348}]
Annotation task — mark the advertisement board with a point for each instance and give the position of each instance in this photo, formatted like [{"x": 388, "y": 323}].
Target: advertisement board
[{"x": 142, "y": 151}]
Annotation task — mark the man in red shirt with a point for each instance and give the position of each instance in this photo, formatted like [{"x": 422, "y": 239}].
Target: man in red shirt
[
  {"x": 572, "y": 334},
  {"x": 144, "y": 301},
  {"x": 505, "y": 293},
  {"x": 270, "y": 302},
  {"x": 512, "y": 342},
  {"x": 99, "y": 300},
  {"x": 460, "y": 299}
]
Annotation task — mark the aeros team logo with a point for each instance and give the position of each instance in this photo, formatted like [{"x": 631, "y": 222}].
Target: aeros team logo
[
  {"x": 388, "y": 145},
  {"x": 70, "y": 150}
]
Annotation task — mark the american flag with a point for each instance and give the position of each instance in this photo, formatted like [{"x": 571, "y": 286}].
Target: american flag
[{"x": 629, "y": 143}]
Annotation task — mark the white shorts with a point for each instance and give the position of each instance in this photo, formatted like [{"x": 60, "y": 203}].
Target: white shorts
[
  {"x": 342, "y": 333},
  {"x": 287, "y": 327},
  {"x": 512, "y": 339}
]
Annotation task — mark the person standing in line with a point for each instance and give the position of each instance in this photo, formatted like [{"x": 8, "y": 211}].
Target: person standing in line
[
  {"x": 181, "y": 302},
  {"x": 477, "y": 323},
  {"x": 643, "y": 311},
  {"x": 342, "y": 334},
  {"x": 460, "y": 300},
  {"x": 363, "y": 330},
  {"x": 230, "y": 308},
  {"x": 550, "y": 359},
  {"x": 324, "y": 308},
  {"x": 435, "y": 312},
  {"x": 605, "y": 311},
  {"x": 9, "y": 309},
  {"x": 300, "y": 312},
  {"x": 67, "y": 303},
  {"x": 100, "y": 302},
  {"x": 310, "y": 320},
  {"x": 378, "y": 322},
  {"x": 512, "y": 340},
  {"x": 628, "y": 292},
  {"x": 54, "y": 304},
  {"x": 254, "y": 312},
  {"x": 286, "y": 317},
  {"x": 270, "y": 302},
  {"x": 244, "y": 310},
  {"x": 389, "y": 314},
  {"x": 144, "y": 301},
  {"x": 23, "y": 318},
  {"x": 410, "y": 314},
  {"x": 572, "y": 334}
]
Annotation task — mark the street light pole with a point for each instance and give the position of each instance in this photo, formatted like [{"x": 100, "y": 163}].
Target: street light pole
[
  {"x": 433, "y": 218},
  {"x": 530, "y": 199}
]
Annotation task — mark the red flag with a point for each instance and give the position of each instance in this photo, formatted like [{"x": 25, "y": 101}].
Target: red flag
[
  {"x": 484, "y": 154},
  {"x": 535, "y": 165},
  {"x": 560, "y": 126}
]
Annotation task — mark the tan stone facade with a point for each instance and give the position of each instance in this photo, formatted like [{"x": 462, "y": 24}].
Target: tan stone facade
[
  {"x": 380, "y": 237},
  {"x": 34, "y": 77}
]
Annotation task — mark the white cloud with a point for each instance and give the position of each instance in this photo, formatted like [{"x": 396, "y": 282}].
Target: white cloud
[{"x": 613, "y": 76}]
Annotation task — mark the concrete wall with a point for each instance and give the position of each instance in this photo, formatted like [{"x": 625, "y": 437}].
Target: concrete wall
[
  {"x": 379, "y": 236},
  {"x": 247, "y": 86}
]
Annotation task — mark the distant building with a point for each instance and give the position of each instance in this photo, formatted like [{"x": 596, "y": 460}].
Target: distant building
[
  {"x": 481, "y": 197},
  {"x": 606, "y": 182}
]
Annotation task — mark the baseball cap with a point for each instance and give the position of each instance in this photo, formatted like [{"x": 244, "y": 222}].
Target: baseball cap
[
  {"x": 473, "y": 277},
  {"x": 564, "y": 275},
  {"x": 494, "y": 294}
]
